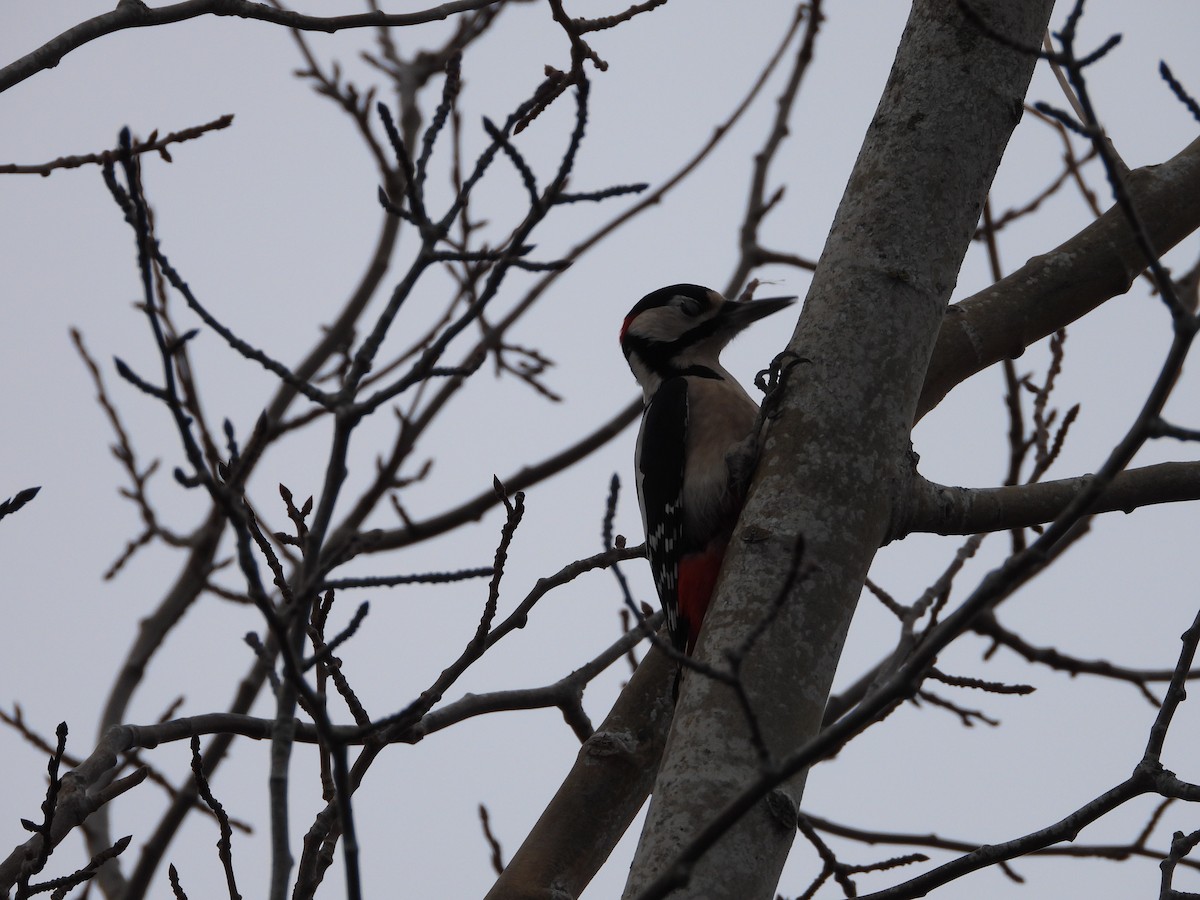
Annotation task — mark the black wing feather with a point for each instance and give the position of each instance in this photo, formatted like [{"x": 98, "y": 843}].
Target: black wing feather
[{"x": 660, "y": 467}]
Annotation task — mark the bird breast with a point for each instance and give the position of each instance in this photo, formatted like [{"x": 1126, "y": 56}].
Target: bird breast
[{"x": 720, "y": 416}]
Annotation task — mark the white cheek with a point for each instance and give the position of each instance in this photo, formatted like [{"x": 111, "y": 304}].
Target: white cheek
[{"x": 660, "y": 324}]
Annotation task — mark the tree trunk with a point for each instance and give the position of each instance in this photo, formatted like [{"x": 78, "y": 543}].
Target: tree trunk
[{"x": 839, "y": 444}]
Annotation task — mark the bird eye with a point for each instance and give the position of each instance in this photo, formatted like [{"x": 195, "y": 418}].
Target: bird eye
[{"x": 690, "y": 306}]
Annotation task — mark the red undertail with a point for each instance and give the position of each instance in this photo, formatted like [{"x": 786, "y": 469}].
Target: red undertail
[{"x": 697, "y": 577}]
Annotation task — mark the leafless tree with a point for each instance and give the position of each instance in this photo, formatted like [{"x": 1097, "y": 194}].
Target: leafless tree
[{"x": 878, "y": 346}]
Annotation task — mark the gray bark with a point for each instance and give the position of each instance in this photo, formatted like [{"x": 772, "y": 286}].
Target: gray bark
[
  {"x": 1056, "y": 288},
  {"x": 604, "y": 790},
  {"x": 839, "y": 447}
]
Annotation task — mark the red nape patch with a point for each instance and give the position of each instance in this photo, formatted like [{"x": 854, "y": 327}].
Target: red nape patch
[
  {"x": 697, "y": 577},
  {"x": 625, "y": 325}
]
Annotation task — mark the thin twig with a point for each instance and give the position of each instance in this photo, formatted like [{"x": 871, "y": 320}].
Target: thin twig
[{"x": 152, "y": 144}]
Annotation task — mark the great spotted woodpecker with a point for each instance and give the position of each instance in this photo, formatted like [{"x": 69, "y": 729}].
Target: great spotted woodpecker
[{"x": 696, "y": 417}]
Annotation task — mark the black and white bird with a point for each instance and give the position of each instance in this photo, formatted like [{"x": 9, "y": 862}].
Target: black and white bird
[{"x": 697, "y": 416}]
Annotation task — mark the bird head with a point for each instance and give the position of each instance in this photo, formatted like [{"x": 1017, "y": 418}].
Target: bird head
[{"x": 682, "y": 329}]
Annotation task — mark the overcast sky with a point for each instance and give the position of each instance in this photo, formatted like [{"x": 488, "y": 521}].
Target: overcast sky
[{"x": 271, "y": 222}]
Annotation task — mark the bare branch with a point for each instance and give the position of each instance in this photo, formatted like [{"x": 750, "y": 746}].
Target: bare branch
[
  {"x": 492, "y": 841},
  {"x": 1179, "y": 91},
  {"x": 224, "y": 846},
  {"x": 420, "y": 578},
  {"x": 474, "y": 509},
  {"x": 153, "y": 144},
  {"x": 604, "y": 790},
  {"x": 758, "y": 206},
  {"x": 954, "y": 510},
  {"x": 937, "y": 842},
  {"x": 1056, "y": 288},
  {"x": 81, "y": 792},
  {"x": 585, "y": 25},
  {"x": 988, "y": 626},
  {"x": 12, "y": 504},
  {"x": 137, "y": 15}
]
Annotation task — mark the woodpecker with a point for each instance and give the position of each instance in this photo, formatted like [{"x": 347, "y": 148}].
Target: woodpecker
[{"x": 696, "y": 417}]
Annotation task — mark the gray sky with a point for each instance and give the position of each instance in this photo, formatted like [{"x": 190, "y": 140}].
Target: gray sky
[{"x": 271, "y": 221}]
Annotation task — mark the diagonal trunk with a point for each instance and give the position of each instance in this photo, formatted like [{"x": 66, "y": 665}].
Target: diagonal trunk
[{"x": 836, "y": 451}]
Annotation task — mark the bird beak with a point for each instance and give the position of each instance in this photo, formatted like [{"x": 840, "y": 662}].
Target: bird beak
[{"x": 736, "y": 315}]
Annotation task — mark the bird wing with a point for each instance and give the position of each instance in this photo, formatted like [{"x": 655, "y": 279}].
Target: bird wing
[{"x": 660, "y": 466}]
